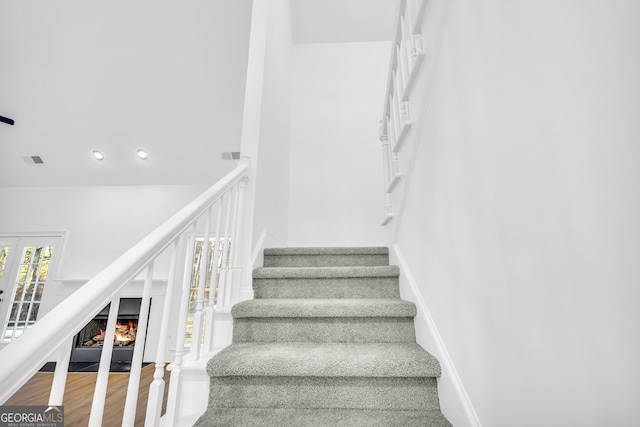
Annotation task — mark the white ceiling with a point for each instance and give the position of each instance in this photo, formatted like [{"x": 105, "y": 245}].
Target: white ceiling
[
  {"x": 153, "y": 74},
  {"x": 331, "y": 21},
  {"x": 118, "y": 76}
]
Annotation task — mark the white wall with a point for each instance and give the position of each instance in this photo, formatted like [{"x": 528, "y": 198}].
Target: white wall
[
  {"x": 272, "y": 181},
  {"x": 521, "y": 222},
  {"x": 335, "y": 180},
  {"x": 101, "y": 222}
]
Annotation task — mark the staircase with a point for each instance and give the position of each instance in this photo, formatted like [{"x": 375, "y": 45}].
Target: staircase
[{"x": 327, "y": 341}]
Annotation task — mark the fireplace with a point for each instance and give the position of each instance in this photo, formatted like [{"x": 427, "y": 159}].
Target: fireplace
[{"x": 89, "y": 341}]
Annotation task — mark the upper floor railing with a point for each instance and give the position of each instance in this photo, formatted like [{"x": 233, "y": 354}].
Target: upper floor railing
[
  {"x": 407, "y": 56},
  {"x": 216, "y": 215}
]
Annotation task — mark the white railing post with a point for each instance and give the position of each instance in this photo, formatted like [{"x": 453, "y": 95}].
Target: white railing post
[
  {"x": 386, "y": 166},
  {"x": 222, "y": 332},
  {"x": 196, "y": 336},
  {"x": 100, "y": 391},
  {"x": 156, "y": 389},
  {"x": 421, "y": 8},
  {"x": 393, "y": 132},
  {"x": 228, "y": 300},
  {"x": 401, "y": 70},
  {"x": 223, "y": 287},
  {"x": 213, "y": 287},
  {"x": 237, "y": 261},
  {"x": 131, "y": 402},
  {"x": 407, "y": 45},
  {"x": 56, "y": 396}
]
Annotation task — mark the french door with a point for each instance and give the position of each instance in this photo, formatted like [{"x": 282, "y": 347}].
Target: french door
[{"x": 26, "y": 268}]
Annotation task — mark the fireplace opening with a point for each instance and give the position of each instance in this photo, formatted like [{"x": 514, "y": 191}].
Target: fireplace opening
[
  {"x": 93, "y": 335},
  {"x": 89, "y": 341}
]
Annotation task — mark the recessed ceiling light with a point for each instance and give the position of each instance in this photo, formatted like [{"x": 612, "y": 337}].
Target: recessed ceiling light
[
  {"x": 97, "y": 155},
  {"x": 142, "y": 154}
]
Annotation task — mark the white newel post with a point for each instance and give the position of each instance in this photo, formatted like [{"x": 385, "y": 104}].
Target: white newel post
[
  {"x": 251, "y": 126},
  {"x": 242, "y": 250},
  {"x": 247, "y": 188}
]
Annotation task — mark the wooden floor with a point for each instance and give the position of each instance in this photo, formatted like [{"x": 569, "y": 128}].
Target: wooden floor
[{"x": 78, "y": 395}]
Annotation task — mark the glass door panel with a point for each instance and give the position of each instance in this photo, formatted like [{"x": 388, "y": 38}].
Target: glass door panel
[{"x": 25, "y": 264}]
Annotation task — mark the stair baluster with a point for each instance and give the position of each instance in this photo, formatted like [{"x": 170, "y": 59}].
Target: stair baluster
[
  {"x": 213, "y": 287},
  {"x": 129, "y": 415}
]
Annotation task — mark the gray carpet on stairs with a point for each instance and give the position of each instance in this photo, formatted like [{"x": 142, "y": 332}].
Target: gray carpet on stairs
[
  {"x": 326, "y": 342},
  {"x": 326, "y": 282}
]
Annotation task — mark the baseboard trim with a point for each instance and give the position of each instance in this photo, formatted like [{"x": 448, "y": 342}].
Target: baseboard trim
[
  {"x": 449, "y": 372},
  {"x": 265, "y": 238}
]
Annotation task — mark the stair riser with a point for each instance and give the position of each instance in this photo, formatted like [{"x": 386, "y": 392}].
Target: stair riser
[
  {"x": 324, "y": 392},
  {"x": 361, "y": 330},
  {"x": 325, "y": 260},
  {"x": 342, "y": 287}
]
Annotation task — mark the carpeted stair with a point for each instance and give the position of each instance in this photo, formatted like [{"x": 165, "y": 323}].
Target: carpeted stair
[{"x": 327, "y": 341}]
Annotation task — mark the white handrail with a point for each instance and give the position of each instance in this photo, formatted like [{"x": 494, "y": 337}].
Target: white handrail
[{"x": 26, "y": 355}]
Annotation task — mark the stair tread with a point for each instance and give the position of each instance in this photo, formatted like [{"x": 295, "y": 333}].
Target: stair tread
[
  {"x": 325, "y": 272},
  {"x": 331, "y": 307},
  {"x": 324, "y": 359},
  {"x": 337, "y": 250},
  {"x": 254, "y": 417},
  {"x": 326, "y": 342}
]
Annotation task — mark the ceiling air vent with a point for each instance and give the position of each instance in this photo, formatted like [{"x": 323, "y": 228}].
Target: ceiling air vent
[
  {"x": 231, "y": 155},
  {"x": 33, "y": 160}
]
